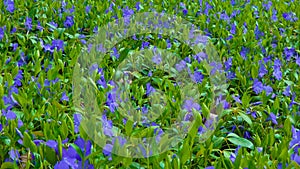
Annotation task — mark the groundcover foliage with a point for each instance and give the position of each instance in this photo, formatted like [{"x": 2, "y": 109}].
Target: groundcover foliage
[{"x": 257, "y": 42}]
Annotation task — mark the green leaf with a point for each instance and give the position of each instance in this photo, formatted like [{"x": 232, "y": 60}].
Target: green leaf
[
  {"x": 28, "y": 142},
  {"x": 5, "y": 140},
  {"x": 246, "y": 118},
  {"x": 9, "y": 165},
  {"x": 246, "y": 100},
  {"x": 239, "y": 141}
]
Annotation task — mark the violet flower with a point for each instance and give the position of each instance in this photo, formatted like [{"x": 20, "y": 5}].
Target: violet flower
[
  {"x": 28, "y": 23},
  {"x": 10, "y": 5}
]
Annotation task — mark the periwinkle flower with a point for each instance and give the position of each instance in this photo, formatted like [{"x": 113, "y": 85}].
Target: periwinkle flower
[
  {"x": 28, "y": 23},
  {"x": 247, "y": 135},
  {"x": 208, "y": 7},
  {"x": 63, "y": 164},
  {"x": 210, "y": 167},
  {"x": 274, "y": 15},
  {"x": 102, "y": 82},
  {"x": 184, "y": 11},
  {"x": 233, "y": 29},
  {"x": 57, "y": 44},
  {"x": 235, "y": 13},
  {"x": 85, "y": 146},
  {"x": 215, "y": 67},
  {"x": 69, "y": 22},
  {"x": 295, "y": 140},
  {"x": 268, "y": 89},
  {"x": 268, "y": 5},
  {"x": 52, "y": 144},
  {"x": 95, "y": 30},
  {"x": 224, "y": 16},
  {"x": 198, "y": 77},
  {"x": 189, "y": 104},
  {"x": 257, "y": 86},
  {"x": 277, "y": 69},
  {"x": 236, "y": 98},
  {"x": 77, "y": 119},
  {"x": 137, "y": 6},
  {"x": 10, "y": 5},
  {"x": 289, "y": 52},
  {"x": 88, "y": 9},
  {"x": 200, "y": 56},
  {"x": 14, "y": 155},
  {"x": 157, "y": 59},
  {"x": 145, "y": 44},
  {"x": 233, "y": 155},
  {"x": 272, "y": 118},
  {"x": 64, "y": 97},
  {"x": 107, "y": 149},
  {"x": 107, "y": 126},
  {"x": 258, "y": 33},
  {"x": 9, "y": 114},
  {"x": 244, "y": 52},
  {"x": 149, "y": 89},
  {"x": 13, "y": 30},
  {"x": 18, "y": 78},
  {"x": 15, "y": 46},
  {"x": 115, "y": 52},
  {"x": 228, "y": 64},
  {"x": 252, "y": 113},
  {"x": 298, "y": 60},
  {"x": 112, "y": 101},
  {"x": 290, "y": 16},
  {"x": 53, "y": 24},
  {"x": 1, "y": 33},
  {"x": 287, "y": 91},
  {"x": 180, "y": 66}
]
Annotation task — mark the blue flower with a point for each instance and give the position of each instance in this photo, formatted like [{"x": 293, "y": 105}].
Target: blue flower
[
  {"x": 115, "y": 52},
  {"x": 200, "y": 56},
  {"x": 57, "y": 44},
  {"x": 295, "y": 142},
  {"x": 28, "y": 23},
  {"x": 298, "y": 60},
  {"x": 64, "y": 97},
  {"x": 10, "y": 115},
  {"x": 268, "y": 5},
  {"x": 257, "y": 86},
  {"x": 289, "y": 52},
  {"x": 189, "y": 104},
  {"x": 290, "y": 16},
  {"x": 88, "y": 8},
  {"x": 107, "y": 126},
  {"x": 244, "y": 52},
  {"x": 85, "y": 146},
  {"x": 233, "y": 155},
  {"x": 274, "y": 15},
  {"x": 14, "y": 155},
  {"x": 287, "y": 91},
  {"x": 107, "y": 149},
  {"x": 69, "y": 22},
  {"x": 198, "y": 77},
  {"x": 272, "y": 118},
  {"x": 149, "y": 89},
  {"x": 224, "y": 16},
  {"x": 77, "y": 119},
  {"x": 262, "y": 69},
  {"x": 277, "y": 72},
  {"x": 10, "y": 5},
  {"x": 233, "y": 29},
  {"x": 180, "y": 66}
]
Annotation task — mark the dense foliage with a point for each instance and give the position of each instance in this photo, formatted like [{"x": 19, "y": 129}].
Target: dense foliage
[{"x": 257, "y": 41}]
